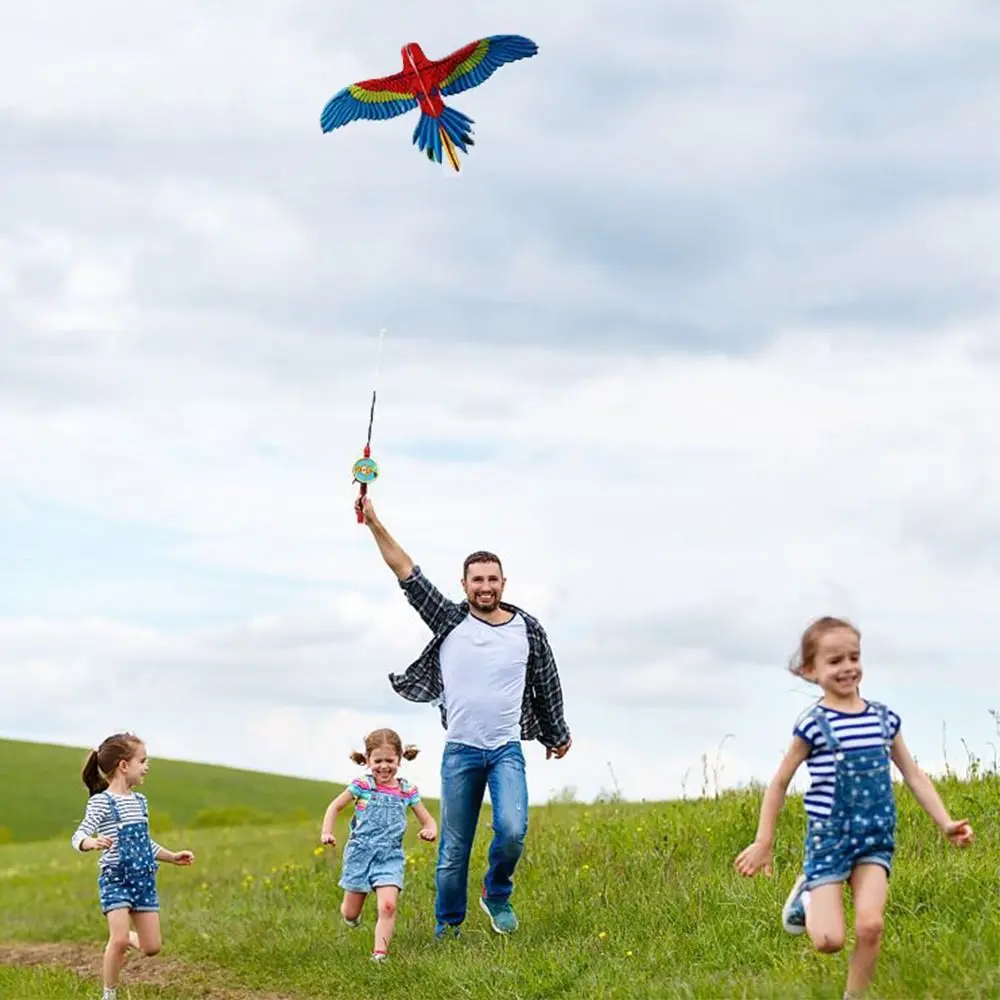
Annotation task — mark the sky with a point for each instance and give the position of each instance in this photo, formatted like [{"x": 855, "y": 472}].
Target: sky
[{"x": 703, "y": 340}]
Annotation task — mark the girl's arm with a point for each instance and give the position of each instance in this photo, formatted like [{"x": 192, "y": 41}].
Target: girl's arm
[
  {"x": 957, "y": 831},
  {"x": 758, "y": 854},
  {"x": 173, "y": 857},
  {"x": 428, "y": 828},
  {"x": 330, "y": 817},
  {"x": 96, "y": 813}
]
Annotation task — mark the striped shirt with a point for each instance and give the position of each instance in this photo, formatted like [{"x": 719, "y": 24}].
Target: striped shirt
[
  {"x": 98, "y": 822},
  {"x": 366, "y": 786},
  {"x": 856, "y": 731}
]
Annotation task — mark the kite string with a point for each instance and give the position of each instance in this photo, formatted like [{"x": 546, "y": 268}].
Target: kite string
[{"x": 378, "y": 367}]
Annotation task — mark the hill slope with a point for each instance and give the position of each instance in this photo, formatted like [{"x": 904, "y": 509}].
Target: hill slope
[{"x": 42, "y": 796}]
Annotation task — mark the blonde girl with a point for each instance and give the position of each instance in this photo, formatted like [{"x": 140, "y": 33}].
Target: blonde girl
[{"x": 373, "y": 858}]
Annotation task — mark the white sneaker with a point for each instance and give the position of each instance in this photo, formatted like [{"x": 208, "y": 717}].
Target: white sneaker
[{"x": 356, "y": 922}]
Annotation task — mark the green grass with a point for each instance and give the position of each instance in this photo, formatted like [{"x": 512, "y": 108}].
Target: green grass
[
  {"x": 49, "y": 984},
  {"x": 616, "y": 901},
  {"x": 52, "y": 802}
]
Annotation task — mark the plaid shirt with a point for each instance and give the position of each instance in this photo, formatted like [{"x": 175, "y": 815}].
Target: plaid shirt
[{"x": 542, "y": 707}]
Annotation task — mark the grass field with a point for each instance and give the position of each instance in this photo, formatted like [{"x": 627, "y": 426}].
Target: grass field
[
  {"x": 616, "y": 901},
  {"x": 180, "y": 793}
]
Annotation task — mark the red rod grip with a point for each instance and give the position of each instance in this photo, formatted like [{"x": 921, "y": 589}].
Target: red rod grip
[{"x": 364, "y": 486}]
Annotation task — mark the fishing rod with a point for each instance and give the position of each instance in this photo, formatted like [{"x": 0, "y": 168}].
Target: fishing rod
[{"x": 365, "y": 469}]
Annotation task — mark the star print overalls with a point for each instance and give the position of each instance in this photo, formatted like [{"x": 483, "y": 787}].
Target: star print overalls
[
  {"x": 131, "y": 883},
  {"x": 861, "y": 829},
  {"x": 373, "y": 855}
]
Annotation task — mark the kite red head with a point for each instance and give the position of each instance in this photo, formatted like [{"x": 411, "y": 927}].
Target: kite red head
[{"x": 412, "y": 51}]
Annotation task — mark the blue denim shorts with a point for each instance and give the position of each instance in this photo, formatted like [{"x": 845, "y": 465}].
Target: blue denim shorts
[
  {"x": 365, "y": 870},
  {"x": 137, "y": 893},
  {"x": 833, "y": 851}
]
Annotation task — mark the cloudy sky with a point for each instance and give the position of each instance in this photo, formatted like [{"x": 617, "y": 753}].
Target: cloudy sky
[{"x": 703, "y": 340}]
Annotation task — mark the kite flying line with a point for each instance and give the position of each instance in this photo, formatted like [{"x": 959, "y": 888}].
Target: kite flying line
[{"x": 366, "y": 468}]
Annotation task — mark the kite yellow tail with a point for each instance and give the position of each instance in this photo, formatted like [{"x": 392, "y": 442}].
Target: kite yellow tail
[{"x": 449, "y": 148}]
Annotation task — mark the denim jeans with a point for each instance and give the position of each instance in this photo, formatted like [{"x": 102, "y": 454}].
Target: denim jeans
[{"x": 466, "y": 772}]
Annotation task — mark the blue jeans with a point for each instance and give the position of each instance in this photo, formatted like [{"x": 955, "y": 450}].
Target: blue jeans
[{"x": 466, "y": 772}]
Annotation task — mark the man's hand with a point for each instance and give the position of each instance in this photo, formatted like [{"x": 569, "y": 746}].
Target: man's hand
[
  {"x": 558, "y": 752},
  {"x": 363, "y": 506}
]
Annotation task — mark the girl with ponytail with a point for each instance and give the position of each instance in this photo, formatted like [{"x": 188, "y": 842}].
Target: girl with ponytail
[
  {"x": 116, "y": 823},
  {"x": 373, "y": 855}
]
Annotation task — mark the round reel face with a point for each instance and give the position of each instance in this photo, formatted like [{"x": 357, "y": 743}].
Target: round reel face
[{"x": 366, "y": 470}]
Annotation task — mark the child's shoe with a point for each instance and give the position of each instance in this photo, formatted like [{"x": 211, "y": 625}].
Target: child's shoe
[{"x": 793, "y": 914}]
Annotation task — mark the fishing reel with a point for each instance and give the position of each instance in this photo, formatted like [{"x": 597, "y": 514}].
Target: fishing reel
[{"x": 365, "y": 471}]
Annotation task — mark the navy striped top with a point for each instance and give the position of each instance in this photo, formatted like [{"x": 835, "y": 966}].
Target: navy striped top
[
  {"x": 98, "y": 822},
  {"x": 855, "y": 730}
]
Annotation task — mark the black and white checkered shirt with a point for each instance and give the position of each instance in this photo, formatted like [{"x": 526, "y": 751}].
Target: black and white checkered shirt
[{"x": 542, "y": 707}]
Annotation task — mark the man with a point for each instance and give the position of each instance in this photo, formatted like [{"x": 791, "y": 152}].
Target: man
[{"x": 491, "y": 672}]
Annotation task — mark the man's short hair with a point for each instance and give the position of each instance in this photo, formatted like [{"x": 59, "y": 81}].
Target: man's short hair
[{"x": 482, "y": 556}]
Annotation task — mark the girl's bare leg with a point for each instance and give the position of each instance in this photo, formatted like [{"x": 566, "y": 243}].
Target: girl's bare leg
[
  {"x": 386, "y": 896},
  {"x": 825, "y": 917},
  {"x": 118, "y": 943},
  {"x": 148, "y": 939},
  {"x": 870, "y": 888},
  {"x": 350, "y": 908}
]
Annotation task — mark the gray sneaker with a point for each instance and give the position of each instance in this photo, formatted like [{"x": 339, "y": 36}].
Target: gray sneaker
[
  {"x": 502, "y": 917},
  {"x": 793, "y": 914}
]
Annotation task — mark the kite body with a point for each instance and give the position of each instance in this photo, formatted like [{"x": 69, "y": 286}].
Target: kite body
[{"x": 424, "y": 84}]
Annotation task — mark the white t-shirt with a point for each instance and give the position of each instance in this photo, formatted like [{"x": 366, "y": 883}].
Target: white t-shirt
[{"x": 483, "y": 668}]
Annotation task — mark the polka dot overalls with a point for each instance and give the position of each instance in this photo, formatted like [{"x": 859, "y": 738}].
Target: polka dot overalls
[
  {"x": 131, "y": 883},
  {"x": 861, "y": 829}
]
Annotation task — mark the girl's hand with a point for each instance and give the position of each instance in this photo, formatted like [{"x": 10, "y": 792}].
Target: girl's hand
[
  {"x": 183, "y": 858},
  {"x": 328, "y": 838},
  {"x": 427, "y": 833},
  {"x": 754, "y": 858},
  {"x": 99, "y": 843},
  {"x": 959, "y": 832}
]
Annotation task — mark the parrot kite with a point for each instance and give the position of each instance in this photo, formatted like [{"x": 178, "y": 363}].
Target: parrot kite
[{"x": 423, "y": 84}]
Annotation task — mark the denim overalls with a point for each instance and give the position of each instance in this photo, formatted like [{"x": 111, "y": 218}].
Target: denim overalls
[
  {"x": 861, "y": 829},
  {"x": 373, "y": 854},
  {"x": 131, "y": 883}
]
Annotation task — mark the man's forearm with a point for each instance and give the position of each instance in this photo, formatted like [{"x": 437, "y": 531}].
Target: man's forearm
[{"x": 392, "y": 552}]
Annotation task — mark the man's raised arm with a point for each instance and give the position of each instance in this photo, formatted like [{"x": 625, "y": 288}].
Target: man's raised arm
[
  {"x": 392, "y": 552},
  {"x": 432, "y": 606}
]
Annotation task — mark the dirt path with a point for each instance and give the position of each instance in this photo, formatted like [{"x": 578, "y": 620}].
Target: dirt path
[{"x": 85, "y": 961}]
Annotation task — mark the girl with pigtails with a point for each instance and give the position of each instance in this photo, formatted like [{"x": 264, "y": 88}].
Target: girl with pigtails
[{"x": 373, "y": 858}]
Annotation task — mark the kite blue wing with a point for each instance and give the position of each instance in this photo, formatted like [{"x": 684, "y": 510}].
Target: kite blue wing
[
  {"x": 474, "y": 63},
  {"x": 375, "y": 100}
]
